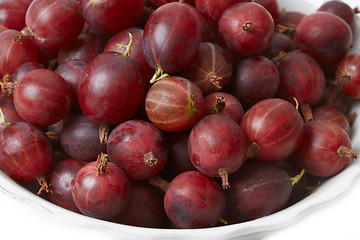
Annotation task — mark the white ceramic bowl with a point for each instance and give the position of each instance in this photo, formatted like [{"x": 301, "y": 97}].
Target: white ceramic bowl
[{"x": 249, "y": 230}]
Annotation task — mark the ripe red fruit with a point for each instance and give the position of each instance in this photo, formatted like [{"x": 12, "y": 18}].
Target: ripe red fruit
[
  {"x": 72, "y": 71},
  {"x": 122, "y": 39},
  {"x": 324, "y": 36},
  {"x": 111, "y": 16},
  {"x": 348, "y": 75},
  {"x": 14, "y": 53},
  {"x": 172, "y": 36},
  {"x": 224, "y": 103},
  {"x": 290, "y": 18},
  {"x": 273, "y": 128},
  {"x": 9, "y": 112},
  {"x": 257, "y": 189},
  {"x": 279, "y": 43},
  {"x": 12, "y": 14},
  {"x": 53, "y": 24},
  {"x": 23, "y": 69},
  {"x": 85, "y": 47},
  {"x": 333, "y": 97},
  {"x": 325, "y": 149},
  {"x": 255, "y": 79},
  {"x": 145, "y": 207},
  {"x": 217, "y": 147},
  {"x": 138, "y": 148},
  {"x": 178, "y": 155},
  {"x": 79, "y": 138},
  {"x": 301, "y": 78},
  {"x": 26, "y": 152},
  {"x": 340, "y": 9},
  {"x": 246, "y": 29},
  {"x": 162, "y": 2},
  {"x": 111, "y": 89},
  {"x": 328, "y": 113},
  {"x": 42, "y": 97},
  {"x": 272, "y": 7},
  {"x": 174, "y": 104},
  {"x": 60, "y": 178},
  {"x": 214, "y": 9},
  {"x": 100, "y": 189},
  {"x": 193, "y": 200},
  {"x": 210, "y": 70}
]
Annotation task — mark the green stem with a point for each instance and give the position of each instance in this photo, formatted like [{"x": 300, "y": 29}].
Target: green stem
[
  {"x": 3, "y": 120},
  {"x": 223, "y": 221},
  {"x": 297, "y": 178},
  {"x": 159, "y": 74},
  {"x": 127, "y": 47}
]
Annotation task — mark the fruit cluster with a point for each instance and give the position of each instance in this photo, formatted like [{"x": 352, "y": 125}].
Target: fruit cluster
[{"x": 175, "y": 114}]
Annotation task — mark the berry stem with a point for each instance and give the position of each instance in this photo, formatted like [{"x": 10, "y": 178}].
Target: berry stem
[
  {"x": 26, "y": 33},
  {"x": 356, "y": 10},
  {"x": 219, "y": 105},
  {"x": 150, "y": 159},
  {"x": 127, "y": 47},
  {"x": 53, "y": 135},
  {"x": 247, "y": 26},
  {"x": 158, "y": 182},
  {"x": 296, "y": 104},
  {"x": 306, "y": 111},
  {"x": 159, "y": 74},
  {"x": 7, "y": 85},
  {"x": 104, "y": 131},
  {"x": 288, "y": 31},
  {"x": 297, "y": 178},
  {"x": 101, "y": 164},
  {"x": 215, "y": 80},
  {"x": 279, "y": 58},
  {"x": 346, "y": 78},
  {"x": 44, "y": 185},
  {"x": 3, "y": 119},
  {"x": 224, "y": 177},
  {"x": 223, "y": 221},
  {"x": 345, "y": 152},
  {"x": 312, "y": 188},
  {"x": 351, "y": 117},
  {"x": 252, "y": 150}
]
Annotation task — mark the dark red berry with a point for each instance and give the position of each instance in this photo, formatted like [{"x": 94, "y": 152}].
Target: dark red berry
[
  {"x": 211, "y": 69},
  {"x": 53, "y": 25},
  {"x": 111, "y": 16},
  {"x": 138, "y": 148},
  {"x": 255, "y": 79},
  {"x": 79, "y": 138},
  {"x": 111, "y": 89},
  {"x": 193, "y": 200},
  {"x": 324, "y": 36},
  {"x": 42, "y": 97},
  {"x": 145, "y": 207},
  {"x": 224, "y": 103},
  {"x": 217, "y": 147},
  {"x": 172, "y": 36},
  {"x": 325, "y": 149},
  {"x": 348, "y": 75},
  {"x": 26, "y": 152},
  {"x": 60, "y": 178},
  {"x": 273, "y": 128},
  {"x": 100, "y": 189},
  {"x": 257, "y": 189},
  {"x": 246, "y": 29}
]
